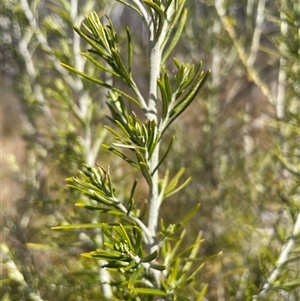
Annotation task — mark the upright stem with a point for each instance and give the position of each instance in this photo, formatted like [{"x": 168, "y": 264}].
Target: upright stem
[
  {"x": 154, "y": 194},
  {"x": 155, "y": 61},
  {"x": 257, "y": 33},
  {"x": 280, "y": 99},
  {"x": 90, "y": 149},
  {"x": 282, "y": 260}
]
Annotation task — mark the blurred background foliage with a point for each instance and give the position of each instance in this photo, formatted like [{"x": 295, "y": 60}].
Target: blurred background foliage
[{"x": 239, "y": 142}]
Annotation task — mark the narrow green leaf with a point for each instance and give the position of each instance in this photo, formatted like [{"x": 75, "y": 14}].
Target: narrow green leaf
[
  {"x": 177, "y": 63},
  {"x": 184, "y": 77},
  {"x": 174, "y": 270},
  {"x": 165, "y": 155},
  {"x": 129, "y": 51},
  {"x": 99, "y": 65},
  {"x": 181, "y": 298},
  {"x": 197, "y": 79},
  {"x": 160, "y": 14},
  {"x": 176, "y": 37},
  {"x": 189, "y": 215},
  {"x": 173, "y": 183},
  {"x": 130, "y": 6},
  {"x": 144, "y": 168},
  {"x": 145, "y": 131},
  {"x": 164, "y": 99},
  {"x": 85, "y": 192},
  {"x": 109, "y": 235},
  {"x": 154, "y": 137},
  {"x": 184, "y": 184},
  {"x": 185, "y": 283},
  {"x": 195, "y": 272},
  {"x": 104, "y": 255},
  {"x": 117, "y": 135},
  {"x": 194, "y": 250},
  {"x": 111, "y": 33},
  {"x": 133, "y": 278},
  {"x": 125, "y": 130},
  {"x": 288, "y": 285},
  {"x": 168, "y": 87},
  {"x": 101, "y": 83},
  {"x": 100, "y": 210},
  {"x": 162, "y": 226},
  {"x": 177, "y": 245},
  {"x": 150, "y": 257},
  {"x": 173, "y": 22},
  {"x": 109, "y": 245},
  {"x": 131, "y": 265},
  {"x": 96, "y": 27},
  {"x": 183, "y": 105},
  {"x": 145, "y": 171},
  {"x": 148, "y": 291},
  {"x": 121, "y": 155},
  {"x": 190, "y": 79},
  {"x": 121, "y": 67},
  {"x": 124, "y": 236},
  {"x": 78, "y": 226},
  {"x": 85, "y": 183},
  {"x": 131, "y": 200},
  {"x": 158, "y": 267},
  {"x": 138, "y": 235},
  {"x": 109, "y": 254},
  {"x": 163, "y": 185},
  {"x": 105, "y": 199},
  {"x": 202, "y": 293},
  {"x": 99, "y": 49}
]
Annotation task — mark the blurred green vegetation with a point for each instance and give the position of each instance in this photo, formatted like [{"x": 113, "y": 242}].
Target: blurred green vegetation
[{"x": 239, "y": 142}]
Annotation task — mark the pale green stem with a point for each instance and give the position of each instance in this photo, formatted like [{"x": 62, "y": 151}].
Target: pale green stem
[
  {"x": 248, "y": 141},
  {"x": 142, "y": 9},
  {"x": 257, "y": 33},
  {"x": 155, "y": 61},
  {"x": 90, "y": 149},
  {"x": 156, "y": 49},
  {"x": 284, "y": 255},
  {"x": 282, "y": 72}
]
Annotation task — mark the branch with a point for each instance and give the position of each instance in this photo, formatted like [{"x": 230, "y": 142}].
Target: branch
[
  {"x": 281, "y": 260},
  {"x": 32, "y": 73},
  {"x": 44, "y": 43},
  {"x": 252, "y": 73},
  {"x": 257, "y": 33}
]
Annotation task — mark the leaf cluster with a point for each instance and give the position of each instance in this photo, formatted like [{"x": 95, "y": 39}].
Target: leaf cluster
[
  {"x": 124, "y": 252},
  {"x": 104, "y": 44},
  {"x": 188, "y": 80},
  {"x": 144, "y": 265}
]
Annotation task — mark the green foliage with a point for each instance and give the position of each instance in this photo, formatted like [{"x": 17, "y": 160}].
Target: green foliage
[
  {"x": 126, "y": 243},
  {"x": 140, "y": 262},
  {"x": 237, "y": 146}
]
